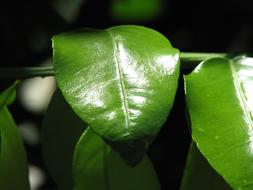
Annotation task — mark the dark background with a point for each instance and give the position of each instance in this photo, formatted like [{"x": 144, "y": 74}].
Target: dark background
[{"x": 200, "y": 26}]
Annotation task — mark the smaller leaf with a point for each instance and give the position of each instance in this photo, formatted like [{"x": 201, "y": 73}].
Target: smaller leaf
[
  {"x": 97, "y": 167},
  {"x": 13, "y": 162},
  {"x": 8, "y": 96},
  {"x": 199, "y": 175},
  {"x": 61, "y": 130}
]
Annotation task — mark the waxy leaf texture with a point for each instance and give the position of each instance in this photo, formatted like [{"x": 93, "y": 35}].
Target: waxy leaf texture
[
  {"x": 219, "y": 95},
  {"x": 97, "y": 167},
  {"x": 121, "y": 81}
]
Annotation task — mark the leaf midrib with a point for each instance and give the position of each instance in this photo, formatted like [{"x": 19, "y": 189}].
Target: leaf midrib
[
  {"x": 121, "y": 82},
  {"x": 241, "y": 94}
]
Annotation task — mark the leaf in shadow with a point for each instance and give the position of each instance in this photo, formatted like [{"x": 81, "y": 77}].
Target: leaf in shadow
[
  {"x": 97, "y": 167},
  {"x": 199, "y": 175},
  {"x": 61, "y": 130}
]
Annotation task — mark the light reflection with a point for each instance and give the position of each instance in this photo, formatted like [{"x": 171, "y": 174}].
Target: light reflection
[
  {"x": 248, "y": 89},
  {"x": 93, "y": 98},
  {"x": 138, "y": 99},
  {"x": 135, "y": 113},
  {"x": 246, "y": 61},
  {"x": 245, "y": 73},
  {"x": 131, "y": 68},
  {"x": 243, "y": 69},
  {"x": 111, "y": 115},
  {"x": 198, "y": 67},
  {"x": 167, "y": 62}
]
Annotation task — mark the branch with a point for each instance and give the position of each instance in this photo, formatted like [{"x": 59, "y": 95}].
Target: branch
[{"x": 29, "y": 72}]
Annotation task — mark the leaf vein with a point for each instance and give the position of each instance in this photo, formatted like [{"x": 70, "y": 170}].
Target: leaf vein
[
  {"x": 121, "y": 82},
  {"x": 242, "y": 96}
]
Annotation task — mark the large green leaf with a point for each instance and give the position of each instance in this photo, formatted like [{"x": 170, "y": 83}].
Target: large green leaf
[
  {"x": 97, "y": 167},
  {"x": 199, "y": 175},
  {"x": 13, "y": 162},
  {"x": 121, "y": 81},
  {"x": 61, "y": 130},
  {"x": 219, "y": 96}
]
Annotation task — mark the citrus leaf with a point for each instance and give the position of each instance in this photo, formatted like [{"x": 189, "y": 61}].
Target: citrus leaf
[
  {"x": 219, "y": 99},
  {"x": 199, "y": 175},
  {"x": 61, "y": 130},
  {"x": 13, "y": 162},
  {"x": 8, "y": 96},
  {"x": 121, "y": 81},
  {"x": 97, "y": 167}
]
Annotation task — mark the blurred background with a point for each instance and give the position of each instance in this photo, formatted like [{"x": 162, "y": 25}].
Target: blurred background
[{"x": 200, "y": 26}]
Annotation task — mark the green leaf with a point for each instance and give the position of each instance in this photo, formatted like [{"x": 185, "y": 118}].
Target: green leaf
[
  {"x": 219, "y": 97},
  {"x": 97, "y": 167},
  {"x": 121, "y": 81},
  {"x": 13, "y": 162},
  {"x": 61, "y": 130},
  {"x": 136, "y": 10},
  {"x": 68, "y": 9},
  {"x": 199, "y": 175},
  {"x": 8, "y": 96}
]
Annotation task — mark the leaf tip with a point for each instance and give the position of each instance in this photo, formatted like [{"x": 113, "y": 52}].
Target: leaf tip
[{"x": 131, "y": 152}]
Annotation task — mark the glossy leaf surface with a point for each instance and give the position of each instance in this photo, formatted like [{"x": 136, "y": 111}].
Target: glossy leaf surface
[
  {"x": 199, "y": 175},
  {"x": 219, "y": 95},
  {"x": 13, "y": 162},
  {"x": 121, "y": 81},
  {"x": 60, "y": 132},
  {"x": 97, "y": 167}
]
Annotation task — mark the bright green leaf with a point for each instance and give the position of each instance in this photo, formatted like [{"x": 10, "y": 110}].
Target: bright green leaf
[
  {"x": 199, "y": 175},
  {"x": 8, "y": 96},
  {"x": 60, "y": 132},
  {"x": 97, "y": 167},
  {"x": 121, "y": 81},
  {"x": 219, "y": 95},
  {"x": 13, "y": 162}
]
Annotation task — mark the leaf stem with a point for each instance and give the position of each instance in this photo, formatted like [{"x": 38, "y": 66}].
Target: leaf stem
[
  {"x": 29, "y": 72},
  {"x": 196, "y": 56},
  {"x": 26, "y": 72}
]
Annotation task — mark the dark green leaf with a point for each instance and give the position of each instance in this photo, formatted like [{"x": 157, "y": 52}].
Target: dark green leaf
[
  {"x": 68, "y": 9},
  {"x": 136, "y": 10},
  {"x": 199, "y": 175},
  {"x": 219, "y": 96},
  {"x": 97, "y": 167},
  {"x": 13, "y": 162},
  {"x": 121, "y": 81},
  {"x": 8, "y": 96},
  {"x": 60, "y": 132}
]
